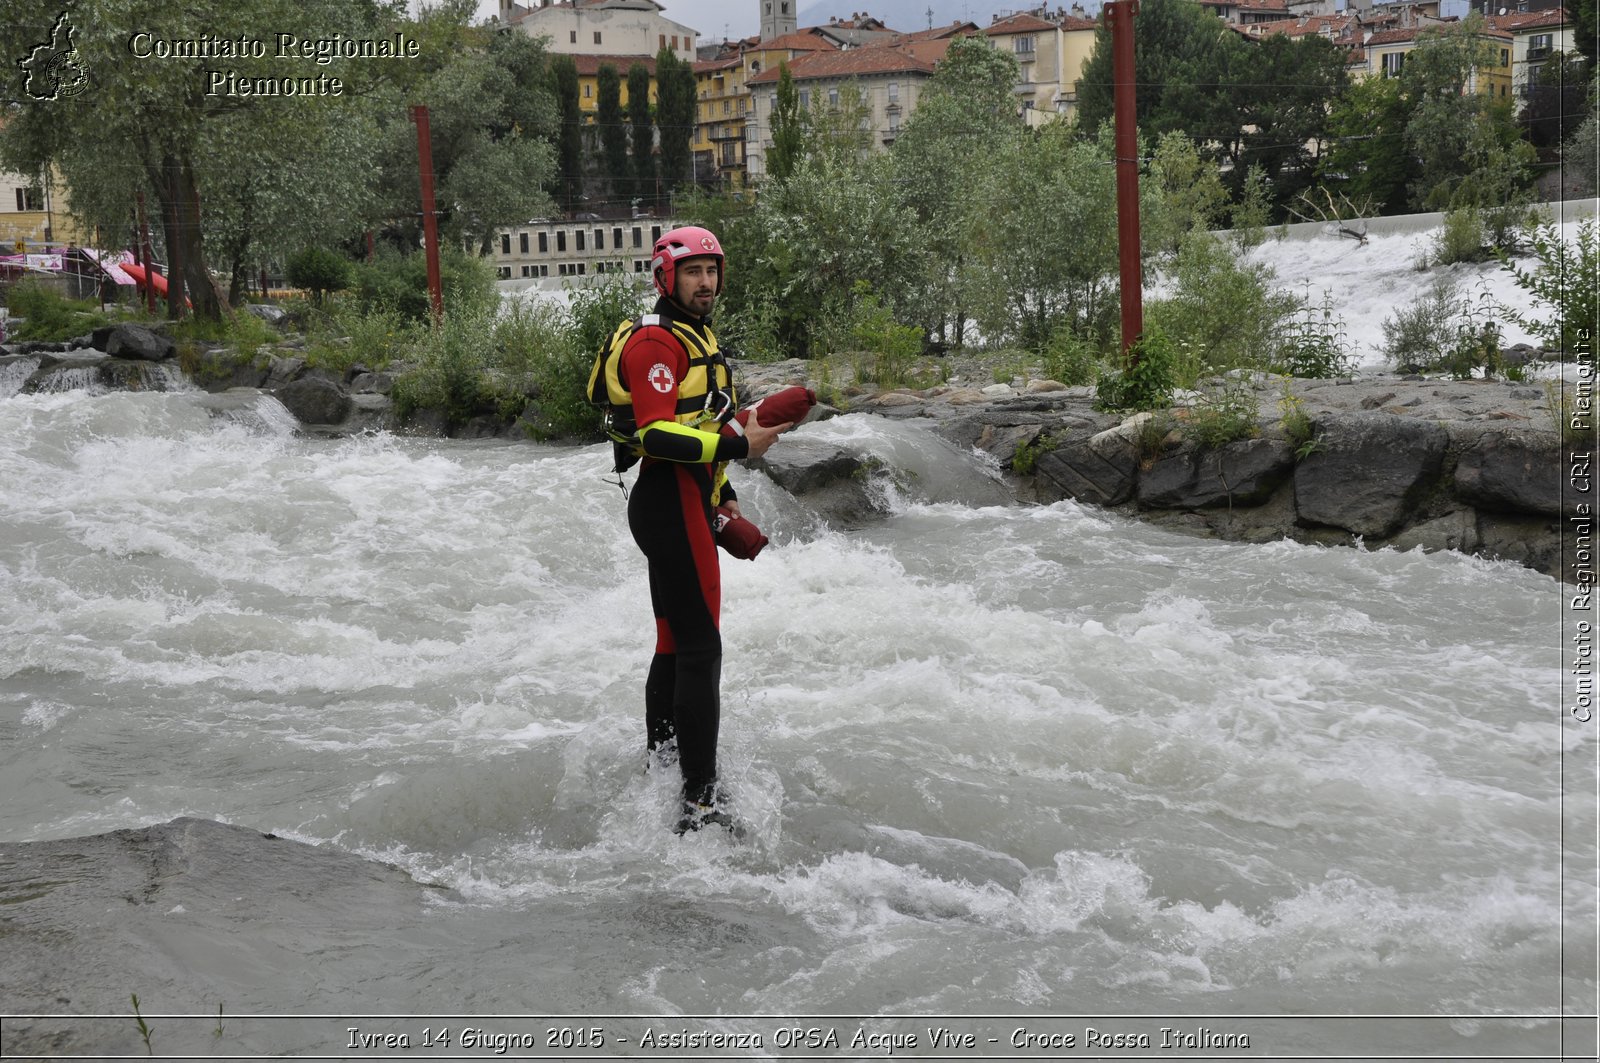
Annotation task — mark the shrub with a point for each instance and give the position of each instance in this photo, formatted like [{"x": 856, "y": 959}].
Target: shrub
[
  {"x": 1313, "y": 343},
  {"x": 319, "y": 271},
  {"x": 1225, "y": 414},
  {"x": 1223, "y": 313},
  {"x": 1461, "y": 238},
  {"x": 49, "y": 314},
  {"x": 1418, "y": 337},
  {"x": 1566, "y": 279},
  {"x": 397, "y": 282},
  {"x": 1146, "y": 381},
  {"x": 597, "y": 309},
  {"x": 535, "y": 353},
  {"x": 449, "y": 374},
  {"x": 1296, "y": 423},
  {"x": 1070, "y": 359}
]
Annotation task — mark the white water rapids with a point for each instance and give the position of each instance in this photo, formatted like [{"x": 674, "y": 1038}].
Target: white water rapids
[{"x": 1006, "y": 759}]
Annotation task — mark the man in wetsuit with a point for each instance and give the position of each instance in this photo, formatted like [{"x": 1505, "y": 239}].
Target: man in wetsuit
[{"x": 682, "y": 394}]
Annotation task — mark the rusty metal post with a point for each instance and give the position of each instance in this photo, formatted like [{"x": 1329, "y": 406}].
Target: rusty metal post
[
  {"x": 1119, "y": 15},
  {"x": 430, "y": 223}
]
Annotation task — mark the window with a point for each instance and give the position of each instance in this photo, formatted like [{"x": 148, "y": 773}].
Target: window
[
  {"x": 1505, "y": 57},
  {"x": 561, "y": 242},
  {"x": 30, "y": 198},
  {"x": 1539, "y": 45},
  {"x": 1023, "y": 45},
  {"x": 616, "y": 238},
  {"x": 544, "y": 243},
  {"x": 655, "y": 234},
  {"x": 785, "y": 7},
  {"x": 805, "y": 99},
  {"x": 526, "y": 271},
  {"x": 638, "y": 265},
  {"x": 597, "y": 36},
  {"x": 743, "y": 104},
  {"x": 833, "y": 97},
  {"x": 578, "y": 237},
  {"x": 544, "y": 270},
  {"x": 586, "y": 88},
  {"x": 674, "y": 42},
  {"x": 727, "y": 106},
  {"x": 599, "y": 239},
  {"x": 894, "y": 92},
  {"x": 580, "y": 264},
  {"x": 505, "y": 242},
  {"x": 1392, "y": 62},
  {"x": 522, "y": 242},
  {"x": 574, "y": 37},
  {"x": 663, "y": 40}
]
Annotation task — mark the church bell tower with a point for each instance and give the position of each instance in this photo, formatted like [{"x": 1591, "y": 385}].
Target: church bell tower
[{"x": 778, "y": 17}]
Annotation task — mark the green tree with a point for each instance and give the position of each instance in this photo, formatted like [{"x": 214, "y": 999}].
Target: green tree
[
  {"x": 493, "y": 121},
  {"x": 569, "y": 144},
  {"x": 1585, "y": 27},
  {"x": 1454, "y": 131},
  {"x": 788, "y": 128},
  {"x": 1191, "y": 193},
  {"x": 966, "y": 120},
  {"x": 1045, "y": 255},
  {"x": 153, "y": 126},
  {"x": 1556, "y": 100},
  {"x": 1368, "y": 159},
  {"x": 675, "y": 107},
  {"x": 613, "y": 133},
  {"x": 1184, "y": 56},
  {"x": 641, "y": 132}
]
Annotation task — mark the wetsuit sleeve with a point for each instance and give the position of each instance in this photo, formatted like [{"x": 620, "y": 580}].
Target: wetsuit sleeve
[{"x": 654, "y": 364}]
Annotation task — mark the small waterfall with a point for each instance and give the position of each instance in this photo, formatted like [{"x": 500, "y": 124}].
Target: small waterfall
[
  {"x": 164, "y": 376},
  {"x": 72, "y": 378},
  {"x": 14, "y": 374},
  {"x": 262, "y": 413}
]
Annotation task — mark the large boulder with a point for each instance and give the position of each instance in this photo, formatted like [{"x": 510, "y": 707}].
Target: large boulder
[
  {"x": 1369, "y": 473},
  {"x": 313, "y": 400},
  {"x": 128, "y": 340},
  {"x": 834, "y": 482},
  {"x": 1099, "y": 470},
  {"x": 1242, "y": 473},
  {"x": 1513, "y": 472}
]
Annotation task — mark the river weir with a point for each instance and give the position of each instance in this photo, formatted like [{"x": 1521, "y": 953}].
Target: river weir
[{"x": 302, "y": 731}]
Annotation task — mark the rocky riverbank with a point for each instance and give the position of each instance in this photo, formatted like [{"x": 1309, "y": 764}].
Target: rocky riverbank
[{"x": 1477, "y": 466}]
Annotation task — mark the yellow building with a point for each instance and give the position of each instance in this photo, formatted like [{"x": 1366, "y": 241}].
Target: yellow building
[
  {"x": 725, "y": 107},
  {"x": 1386, "y": 52},
  {"x": 35, "y": 214}
]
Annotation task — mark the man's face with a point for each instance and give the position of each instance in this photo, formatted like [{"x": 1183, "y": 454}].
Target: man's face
[{"x": 695, "y": 284}]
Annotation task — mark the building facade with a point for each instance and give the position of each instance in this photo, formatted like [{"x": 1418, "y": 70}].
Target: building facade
[
  {"x": 601, "y": 27},
  {"x": 553, "y": 251}
]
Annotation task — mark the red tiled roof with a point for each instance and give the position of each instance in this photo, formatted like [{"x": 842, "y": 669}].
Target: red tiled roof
[
  {"x": 711, "y": 66},
  {"x": 1528, "y": 20},
  {"x": 852, "y": 62},
  {"x": 930, "y": 52},
  {"x": 957, "y": 28},
  {"x": 1021, "y": 23},
  {"x": 1070, "y": 23}
]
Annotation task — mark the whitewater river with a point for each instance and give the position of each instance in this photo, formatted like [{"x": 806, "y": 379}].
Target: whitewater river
[{"x": 1000, "y": 760}]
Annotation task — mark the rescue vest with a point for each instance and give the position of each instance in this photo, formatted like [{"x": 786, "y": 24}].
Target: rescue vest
[{"x": 705, "y": 394}]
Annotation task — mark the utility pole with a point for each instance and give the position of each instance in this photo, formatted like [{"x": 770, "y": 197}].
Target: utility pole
[
  {"x": 430, "y": 222},
  {"x": 1119, "y": 16}
]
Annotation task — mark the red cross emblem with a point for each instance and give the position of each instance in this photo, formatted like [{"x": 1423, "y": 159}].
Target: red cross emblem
[
  {"x": 708, "y": 243},
  {"x": 661, "y": 378}
]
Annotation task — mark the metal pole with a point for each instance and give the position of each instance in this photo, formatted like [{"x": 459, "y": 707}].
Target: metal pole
[
  {"x": 1119, "y": 14},
  {"x": 430, "y": 223}
]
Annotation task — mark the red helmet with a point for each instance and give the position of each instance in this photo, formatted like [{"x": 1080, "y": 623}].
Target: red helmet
[{"x": 688, "y": 241}]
